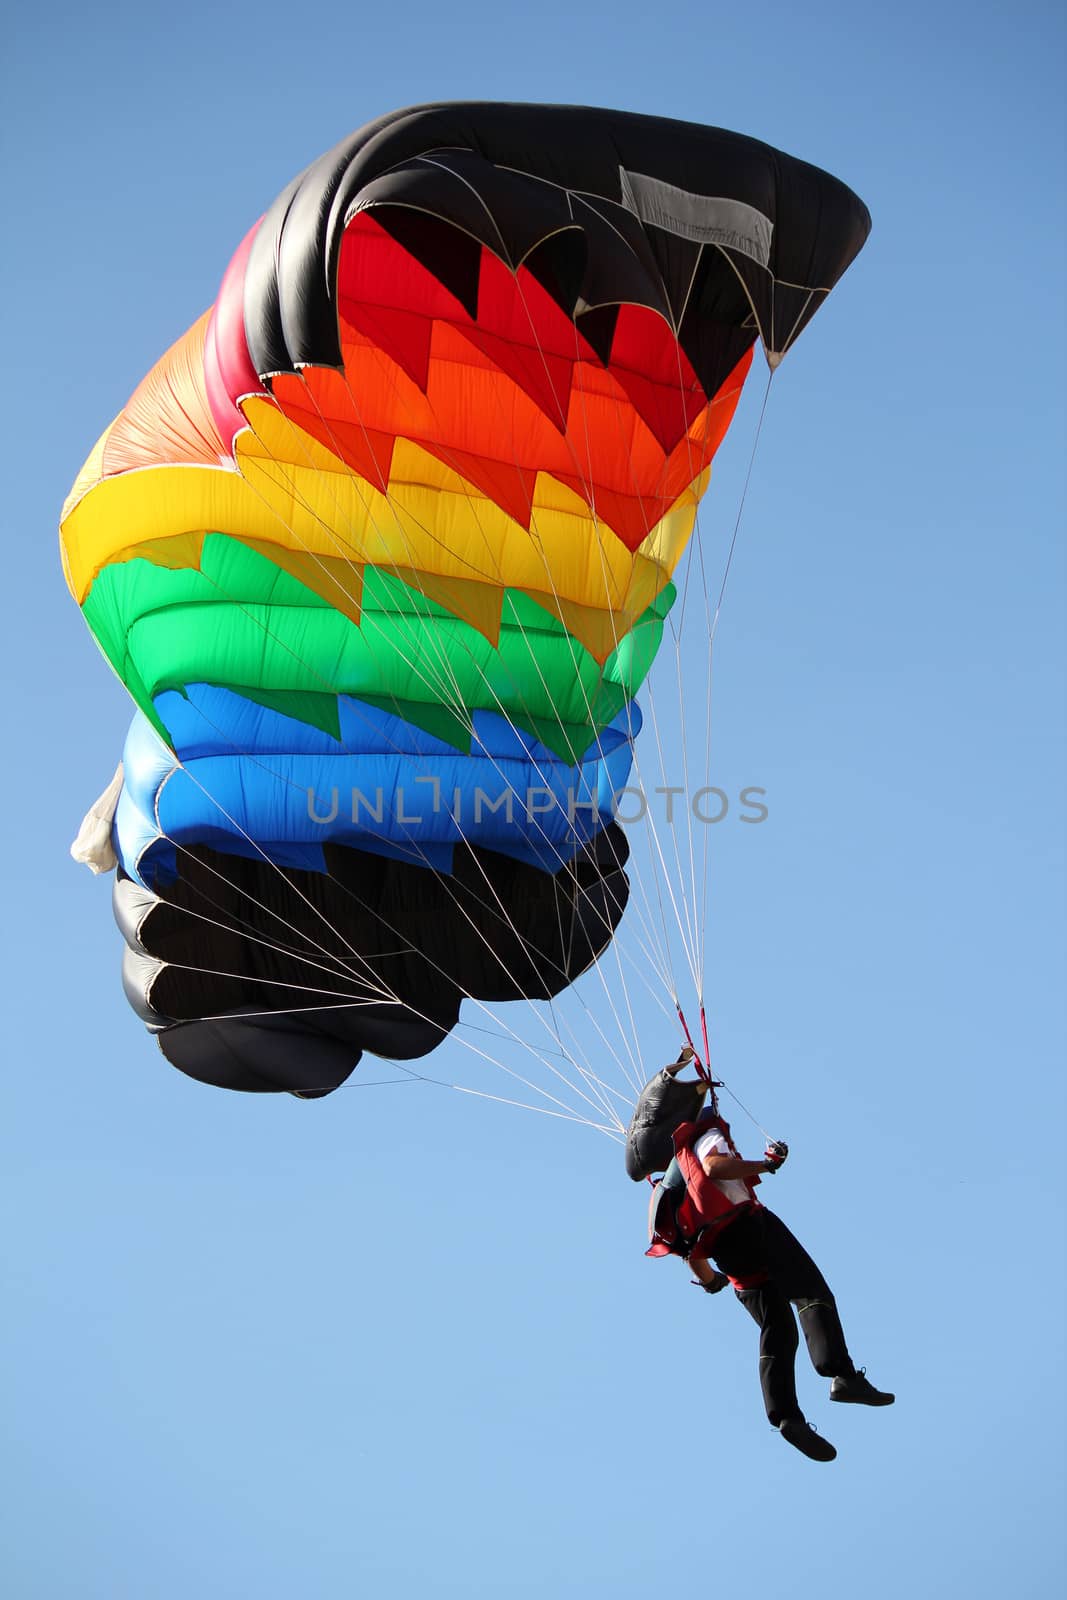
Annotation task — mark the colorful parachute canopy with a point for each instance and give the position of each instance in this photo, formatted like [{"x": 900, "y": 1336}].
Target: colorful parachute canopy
[{"x": 382, "y": 549}]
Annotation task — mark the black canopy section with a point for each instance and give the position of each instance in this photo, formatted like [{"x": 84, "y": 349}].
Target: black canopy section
[
  {"x": 260, "y": 979},
  {"x": 727, "y": 237}
]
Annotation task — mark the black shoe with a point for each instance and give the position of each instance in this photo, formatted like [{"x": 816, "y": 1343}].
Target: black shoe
[
  {"x": 802, "y": 1436},
  {"x": 859, "y": 1391}
]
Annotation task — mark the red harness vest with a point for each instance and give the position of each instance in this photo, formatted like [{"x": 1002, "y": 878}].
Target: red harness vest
[{"x": 705, "y": 1211}]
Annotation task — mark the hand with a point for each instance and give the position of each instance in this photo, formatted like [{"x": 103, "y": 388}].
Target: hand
[
  {"x": 715, "y": 1284},
  {"x": 684, "y": 1058},
  {"x": 775, "y": 1154}
]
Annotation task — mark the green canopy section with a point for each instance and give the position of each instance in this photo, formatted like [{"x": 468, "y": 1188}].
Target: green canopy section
[{"x": 242, "y": 623}]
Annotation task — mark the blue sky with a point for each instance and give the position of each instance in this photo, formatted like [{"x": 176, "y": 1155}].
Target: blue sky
[{"x": 404, "y": 1342}]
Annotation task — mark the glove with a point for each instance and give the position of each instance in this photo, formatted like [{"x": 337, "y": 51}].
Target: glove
[
  {"x": 775, "y": 1154},
  {"x": 718, "y": 1283}
]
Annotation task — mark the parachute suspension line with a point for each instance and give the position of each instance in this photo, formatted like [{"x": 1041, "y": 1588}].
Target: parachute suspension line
[
  {"x": 741, "y": 506},
  {"x": 370, "y": 981},
  {"x": 540, "y": 1055},
  {"x": 564, "y": 1115},
  {"x": 494, "y": 1033},
  {"x": 343, "y": 968},
  {"x": 279, "y": 983},
  {"x": 289, "y": 1011},
  {"x": 742, "y": 1107},
  {"x": 356, "y": 957},
  {"x": 247, "y": 929},
  {"x": 599, "y": 1089},
  {"x": 272, "y": 864},
  {"x": 268, "y": 944},
  {"x": 797, "y": 320},
  {"x": 613, "y": 1132}
]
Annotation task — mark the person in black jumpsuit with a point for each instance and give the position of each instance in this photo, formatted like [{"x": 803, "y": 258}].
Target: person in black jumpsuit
[{"x": 757, "y": 1249}]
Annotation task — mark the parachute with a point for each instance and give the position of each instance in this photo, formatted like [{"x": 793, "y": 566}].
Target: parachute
[{"x": 383, "y": 549}]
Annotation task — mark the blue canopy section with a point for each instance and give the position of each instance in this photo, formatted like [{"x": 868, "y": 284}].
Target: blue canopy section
[{"x": 251, "y": 781}]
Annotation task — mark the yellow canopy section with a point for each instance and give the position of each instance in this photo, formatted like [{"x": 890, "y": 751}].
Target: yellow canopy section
[{"x": 295, "y": 501}]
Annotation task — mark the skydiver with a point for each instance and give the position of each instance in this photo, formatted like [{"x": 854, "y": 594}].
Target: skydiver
[{"x": 705, "y": 1210}]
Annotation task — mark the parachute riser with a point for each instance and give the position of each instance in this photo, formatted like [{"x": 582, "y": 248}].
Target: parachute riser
[{"x": 701, "y": 1063}]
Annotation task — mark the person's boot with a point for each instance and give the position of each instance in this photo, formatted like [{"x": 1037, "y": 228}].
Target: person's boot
[
  {"x": 859, "y": 1391},
  {"x": 799, "y": 1432}
]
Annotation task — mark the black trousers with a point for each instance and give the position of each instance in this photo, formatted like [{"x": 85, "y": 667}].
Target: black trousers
[{"x": 760, "y": 1243}]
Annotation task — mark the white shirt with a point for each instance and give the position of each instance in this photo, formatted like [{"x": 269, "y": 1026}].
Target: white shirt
[{"x": 713, "y": 1143}]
